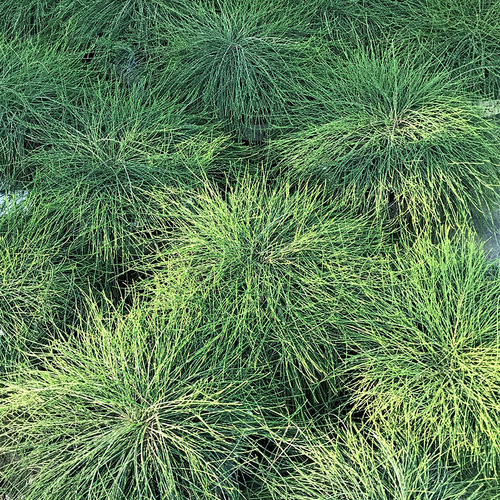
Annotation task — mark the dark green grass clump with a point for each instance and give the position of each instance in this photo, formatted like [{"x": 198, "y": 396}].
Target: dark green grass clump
[
  {"x": 26, "y": 17},
  {"x": 131, "y": 409},
  {"x": 400, "y": 135},
  {"x": 34, "y": 79},
  {"x": 430, "y": 357},
  {"x": 114, "y": 20},
  {"x": 465, "y": 32},
  {"x": 280, "y": 270},
  {"x": 236, "y": 61},
  {"x": 98, "y": 172}
]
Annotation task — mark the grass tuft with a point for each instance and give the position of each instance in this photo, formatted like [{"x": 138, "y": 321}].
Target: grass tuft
[
  {"x": 351, "y": 463},
  {"x": 400, "y": 135},
  {"x": 123, "y": 412},
  {"x": 430, "y": 358},
  {"x": 37, "y": 285},
  {"x": 97, "y": 174},
  {"x": 275, "y": 268},
  {"x": 236, "y": 61}
]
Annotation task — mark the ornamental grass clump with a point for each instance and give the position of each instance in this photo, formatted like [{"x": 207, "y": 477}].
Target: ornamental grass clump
[
  {"x": 280, "y": 271},
  {"x": 132, "y": 408},
  {"x": 35, "y": 78},
  {"x": 342, "y": 23},
  {"x": 344, "y": 461},
  {"x": 236, "y": 61},
  {"x": 98, "y": 171},
  {"x": 429, "y": 357},
  {"x": 465, "y": 32},
  {"x": 401, "y": 135},
  {"x": 37, "y": 284},
  {"x": 113, "y": 20}
]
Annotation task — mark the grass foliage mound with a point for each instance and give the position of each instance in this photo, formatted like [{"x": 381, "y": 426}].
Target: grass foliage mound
[
  {"x": 38, "y": 284},
  {"x": 240, "y": 250},
  {"x": 431, "y": 358},
  {"x": 465, "y": 31},
  {"x": 138, "y": 414},
  {"x": 237, "y": 61},
  {"x": 98, "y": 175},
  {"x": 400, "y": 134},
  {"x": 281, "y": 269},
  {"x": 34, "y": 78},
  {"x": 350, "y": 462}
]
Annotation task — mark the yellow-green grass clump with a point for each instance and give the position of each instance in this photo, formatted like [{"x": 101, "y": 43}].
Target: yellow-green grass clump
[
  {"x": 132, "y": 408},
  {"x": 282, "y": 271},
  {"x": 429, "y": 358}
]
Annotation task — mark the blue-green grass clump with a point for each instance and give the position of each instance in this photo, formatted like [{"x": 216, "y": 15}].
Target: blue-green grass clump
[
  {"x": 238, "y": 62},
  {"x": 97, "y": 174},
  {"x": 114, "y": 20},
  {"x": 350, "y": 23},
  {"x": 36, "y": 80},
  {"x": 463, "y": 32},
  {"x": 402, "y": 136}
]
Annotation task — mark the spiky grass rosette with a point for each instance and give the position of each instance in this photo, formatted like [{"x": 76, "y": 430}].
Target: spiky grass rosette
[
  {"x": 279, "y": 270},
  {"x": 237, "y": 62},
  {"x": 132, "y": 408},
  {"x": 401, "y": 135},
  {"x": 429, "y": 359}
]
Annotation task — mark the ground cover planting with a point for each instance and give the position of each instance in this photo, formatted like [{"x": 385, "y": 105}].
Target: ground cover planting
[{"x": 249, "y": 250}]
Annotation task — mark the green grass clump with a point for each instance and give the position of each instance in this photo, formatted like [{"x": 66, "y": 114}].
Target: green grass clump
[
  {"x": 400, "y": 134},
  {"x": 278, "y": 269},
  {"x": 429, "y": 357},
  {"x": 465, "y": 32},
  {"x": 97, "y": 174},
  {"x": 26, "y": 17},
  {"x": 237, "y": 250},
  {"x": 132, "y": 409},
  {"x": 37, "y": 284},
  {"x": 34, "y": 79},
  {"x": 343, "y": 23},
  {"x": 237, "y": 62},
  {"x": 110, "y": 21},
  {"x": 352, "y": 463}
]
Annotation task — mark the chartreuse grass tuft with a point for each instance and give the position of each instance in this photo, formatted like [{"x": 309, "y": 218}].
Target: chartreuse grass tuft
[
  {"x": 343, "y": 461},
  {"x": 278, "y": 269},
  {"x": 38, "y": 284},
  {"x": 430, "y": 357},
  {"x": 135, "y": 407}
]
